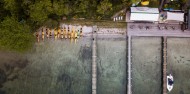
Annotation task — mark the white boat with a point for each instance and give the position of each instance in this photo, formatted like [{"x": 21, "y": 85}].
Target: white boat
[{"x": 170, "y": 82}]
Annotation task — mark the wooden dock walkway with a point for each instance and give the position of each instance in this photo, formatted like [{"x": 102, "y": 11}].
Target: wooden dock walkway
[
  {"x": 153, "y": 32},
  {"x": 165, "y": 65},
  {"x": 129, "y": 91},
  {"x": 94, "y": 65}
]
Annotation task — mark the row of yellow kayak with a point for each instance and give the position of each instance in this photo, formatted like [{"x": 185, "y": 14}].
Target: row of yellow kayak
[{"x": 59, "y": 33}]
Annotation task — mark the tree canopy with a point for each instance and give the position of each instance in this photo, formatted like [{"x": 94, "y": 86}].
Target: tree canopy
[
  {"x": 15, "y": 35},
  {"x": 19, "y": 18}
]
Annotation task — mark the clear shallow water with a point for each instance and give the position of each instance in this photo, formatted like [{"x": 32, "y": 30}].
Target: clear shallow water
[
  {"x": 179, "y": 64},
  {"x": 61, "y": 67},
  {"x": 55, "y": 68},
  {"x": 146, "y": 65},
  {"x": 111, "y": 54}
]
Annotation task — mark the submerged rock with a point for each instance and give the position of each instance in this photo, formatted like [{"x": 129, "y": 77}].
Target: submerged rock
[{"x": 3, "y": 77}]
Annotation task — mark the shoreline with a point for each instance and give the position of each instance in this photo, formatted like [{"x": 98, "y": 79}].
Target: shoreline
[{"x": 20, "y": 62}]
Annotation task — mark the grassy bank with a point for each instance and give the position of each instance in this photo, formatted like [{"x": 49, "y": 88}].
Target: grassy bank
[{"x": 99, "y": 23}]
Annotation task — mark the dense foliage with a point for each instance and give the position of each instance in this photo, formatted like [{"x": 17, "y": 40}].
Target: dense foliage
[
  {"x": 37, "y": 12},
  {"x": 19, "y": 18},
  {"x": 15, "y": 35}
]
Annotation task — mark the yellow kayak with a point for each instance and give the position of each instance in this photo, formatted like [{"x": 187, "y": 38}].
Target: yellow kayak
[
  {"x": 55, "y": 34},
  {"x": 145, "y": 3},
  {"x": 65, "y": 33},
  {"x": 58, "y": 32},
  {"x": 72, "y": 34},
  {"x": 76, "y": 34}
]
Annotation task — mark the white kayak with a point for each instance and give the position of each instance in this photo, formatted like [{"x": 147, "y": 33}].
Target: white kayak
[{"x": 170, "y": 82}]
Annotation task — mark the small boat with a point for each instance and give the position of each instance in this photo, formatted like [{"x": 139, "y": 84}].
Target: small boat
[{"x": 170, "y": 82}]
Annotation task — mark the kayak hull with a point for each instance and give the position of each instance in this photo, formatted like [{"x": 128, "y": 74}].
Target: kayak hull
[{"x": 169, "y": 86}]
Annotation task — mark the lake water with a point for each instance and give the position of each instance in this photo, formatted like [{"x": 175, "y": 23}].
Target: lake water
[
  {"x": 62, "y": 67},
  {"x": 179, "y": 64},
  {"x": 112, "y": 73},
  {"x": 56, "y": 67},
  {"x": 146, "y": 65}
]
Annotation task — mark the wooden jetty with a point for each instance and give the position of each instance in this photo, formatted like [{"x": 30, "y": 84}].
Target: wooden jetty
[
  {"x": 165, "y": 65},
  {"x": 94, "y": 65}
]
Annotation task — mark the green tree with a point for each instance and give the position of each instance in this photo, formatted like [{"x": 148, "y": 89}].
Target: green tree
[
  {"x": 12, "y": 6},
  {"x": 39, "y": 11},
  {"x": 104, "y": 8},
  {"x": 135, "y": 1},
  {"x": 15, "y": 35},
  {"x": 126, "y": 3},
  {"x": 19, "y": 18}
]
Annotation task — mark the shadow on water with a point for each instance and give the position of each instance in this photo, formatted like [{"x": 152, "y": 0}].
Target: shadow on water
[
  {"x": 3, "y": 77},
  {"x": 64, "y": 83},
  {"x": 162, "y": 60},
  {"x": 66, "y": 80},
  {"x": 9, "y": 69},
  {"x": 181, "y": 92},
  {"x": 2, "y": 92},
  {"x": 85, "y": 52}
]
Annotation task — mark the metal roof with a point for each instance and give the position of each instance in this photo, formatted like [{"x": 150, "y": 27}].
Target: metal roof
[
  {"x": 144, "y": 17},
  {"x": 144, "y": 10},
  {"x": 175, "y": 16},
  {"x": 144, "y": 14}
]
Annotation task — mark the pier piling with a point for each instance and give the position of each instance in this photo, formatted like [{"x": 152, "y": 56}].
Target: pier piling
[
  {"x": 94, "y": 65},
  {"x": 129, "y": 91}
]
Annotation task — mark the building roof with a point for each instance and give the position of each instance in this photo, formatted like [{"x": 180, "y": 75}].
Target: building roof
[
  {"x": 144, "y": 10},
  {"x": 144, "y": 17},
  {"x": 175, "y": 16},
  {"x": 144, "y": 14}
]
